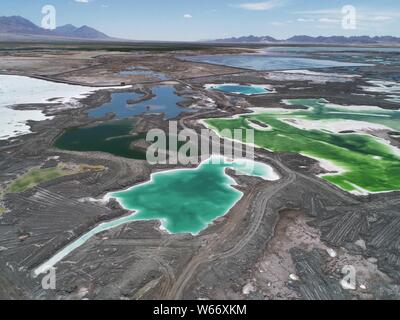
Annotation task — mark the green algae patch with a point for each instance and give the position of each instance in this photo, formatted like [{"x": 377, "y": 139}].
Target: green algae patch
[
  {"x": 33, "y": 178},
  {"x": 359, "y": 162},
  {"x": 37, "y": 176}
]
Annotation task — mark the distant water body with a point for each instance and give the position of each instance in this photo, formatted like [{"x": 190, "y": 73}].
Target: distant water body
[
  {"x": 270, "y": 63},
  {"x": 332, "y": 49}
]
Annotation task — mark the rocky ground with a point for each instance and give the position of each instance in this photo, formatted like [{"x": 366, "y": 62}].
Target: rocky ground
[{"x": 288, "y": 239}]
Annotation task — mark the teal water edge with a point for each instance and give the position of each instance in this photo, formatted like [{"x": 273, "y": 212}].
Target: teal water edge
[
  {"x": 183, "y": 200},
  {"x": 234, "y": 88},
  {"x": 188, "y": 200}
]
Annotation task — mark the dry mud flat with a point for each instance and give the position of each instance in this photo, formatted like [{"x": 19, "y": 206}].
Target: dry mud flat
[
  {"x": 287, "y": 239},
  {"x": 102, "y": 68}
]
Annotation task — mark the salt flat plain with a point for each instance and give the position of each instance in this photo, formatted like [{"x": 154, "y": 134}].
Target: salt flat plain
[{"x": 20, "y": 90}]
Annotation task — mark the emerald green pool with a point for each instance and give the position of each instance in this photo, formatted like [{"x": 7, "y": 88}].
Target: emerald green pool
[
  {"x": 363, "y": 163},
  {"x": 184, "y": 201}
]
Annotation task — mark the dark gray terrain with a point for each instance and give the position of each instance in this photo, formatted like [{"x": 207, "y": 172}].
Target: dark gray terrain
[{"x": 287, "y": 239}]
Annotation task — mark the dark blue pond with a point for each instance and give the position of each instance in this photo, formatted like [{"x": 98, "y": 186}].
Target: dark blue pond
[{"x": 165, "y": 102}]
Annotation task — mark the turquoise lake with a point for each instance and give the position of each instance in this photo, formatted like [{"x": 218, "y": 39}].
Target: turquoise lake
[
  {"x": 184, "y": 200},
  {"x": 239, "y": 89}
]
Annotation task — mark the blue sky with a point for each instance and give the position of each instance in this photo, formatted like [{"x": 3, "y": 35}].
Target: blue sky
[{"x": 191, "y": 20}]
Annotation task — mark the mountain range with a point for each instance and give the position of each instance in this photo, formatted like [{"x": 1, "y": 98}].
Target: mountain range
[
  {"x": 314, "y": 40},
  {"x": 19, "y": 28}
]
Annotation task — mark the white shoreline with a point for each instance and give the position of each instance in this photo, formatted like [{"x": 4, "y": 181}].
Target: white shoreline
[
  {"x": 23, "y": 90},
  {"x": 335, "y": 126}
]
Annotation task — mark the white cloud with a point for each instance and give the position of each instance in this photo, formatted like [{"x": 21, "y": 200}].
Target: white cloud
[
  {"x": 278, "y": 24},
  {"x": 82, "y": 1},
  {"x": 328, "y": 20},
  {"x": 305, "y": 20},
  {"x": 260, "y": 6},
  {"x": 319, "y": 12},
  {"x": 187, "y": 16},
  {"x": 382, "y": 18}
]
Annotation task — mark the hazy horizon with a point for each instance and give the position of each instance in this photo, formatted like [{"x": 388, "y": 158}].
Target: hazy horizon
[{"x": 193, "y": 20}]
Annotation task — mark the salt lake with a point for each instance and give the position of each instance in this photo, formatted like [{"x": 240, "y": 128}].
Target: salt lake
[
  {"x": 20, "y": 90},
  {"x": 269, "y": 63},
  {"x": 235, "y": 88},
  {"x": 183, "y": 200}
]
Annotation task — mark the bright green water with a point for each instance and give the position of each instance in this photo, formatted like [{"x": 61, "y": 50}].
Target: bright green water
[
  {"x": 368, "y": 163},
  {"x": 321, "y": 110}
]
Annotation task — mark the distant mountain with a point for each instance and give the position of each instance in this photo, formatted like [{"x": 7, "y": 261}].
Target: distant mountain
[
  {"x": 66, "y": 31},
  {"x": 19, "y": 25},
  {"x": 17, "y": 28},
  {"x": 248, "y": 39},
  {"x": 314, "y": 40},
  {"x": 86, "y": 32},
  {"x": 344, "y": 40},
  {"x": 83, "y": 32}
]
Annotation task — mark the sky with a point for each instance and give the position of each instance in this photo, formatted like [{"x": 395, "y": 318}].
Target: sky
[{"x": 194, "y": 20}]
